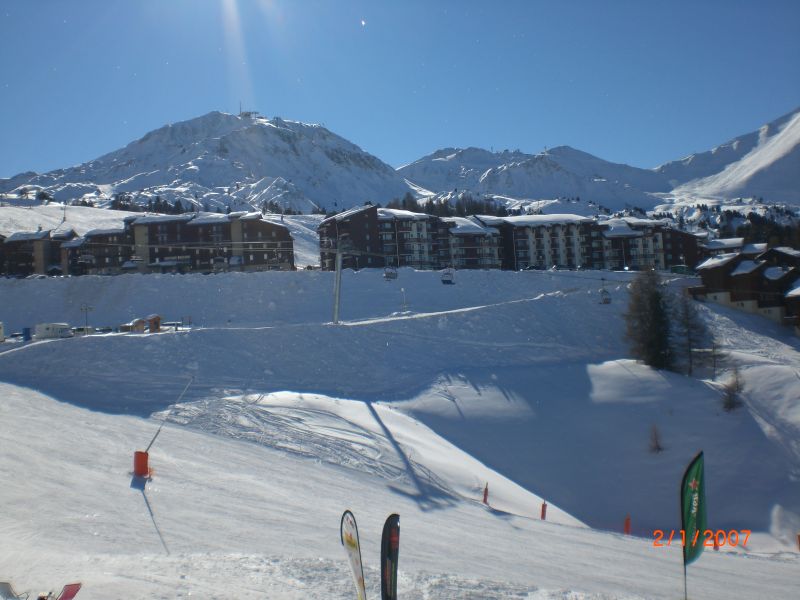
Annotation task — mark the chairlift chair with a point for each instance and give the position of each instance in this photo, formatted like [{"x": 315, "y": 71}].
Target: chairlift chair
[{"x": 448, "y": 276}]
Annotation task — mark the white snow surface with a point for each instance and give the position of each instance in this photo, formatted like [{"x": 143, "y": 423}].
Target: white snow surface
[{"x": 520, "y": 380}]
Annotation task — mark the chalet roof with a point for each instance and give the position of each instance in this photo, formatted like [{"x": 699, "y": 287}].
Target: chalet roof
[
  {"x": 753, "y": 249},
  {"x": 745, "y": 267},
  {"x": 388, "y": 214},
  {"x": 776, "y": 273},
  {"x": 716, "y": 261},
  {"x": 725, "y": 244},
  {"x": 27, "y": 236},
  {"x": 794, "y": 292},
  {"x": 787, "y": 251},
  {"x": 347, "y": 213}
]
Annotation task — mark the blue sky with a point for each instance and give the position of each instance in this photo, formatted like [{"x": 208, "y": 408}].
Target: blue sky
[{"x": 638, "y": 81}]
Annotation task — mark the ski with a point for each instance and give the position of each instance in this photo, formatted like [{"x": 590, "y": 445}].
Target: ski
[
  {"x": 390, "y": 550},
  {"x": 348, "y": 532}
]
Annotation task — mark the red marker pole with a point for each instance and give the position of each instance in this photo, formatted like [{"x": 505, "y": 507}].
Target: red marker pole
[
  {"x": 486, "y": 494},
  {"x": 544, "y": 510},
  {"x": 627, "y": 524}
]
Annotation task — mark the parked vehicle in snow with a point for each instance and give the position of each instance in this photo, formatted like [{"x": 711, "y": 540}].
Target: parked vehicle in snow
[{"x": 49, "y": 331}]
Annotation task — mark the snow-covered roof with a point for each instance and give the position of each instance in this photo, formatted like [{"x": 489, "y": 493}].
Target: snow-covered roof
[
  {"x": 210, "y": 219},
  {"x": 788, "y": 251},
  {"x": 26, "y": 236},
  {"x": 387, "y": 214},
  {"x": 794, "y": 292},
  {"x": 716, "y": 261},
  {"x": 115, "y": 231},
  {"x": 251, "y": 216},
  {"x": 74, "y": 243},
  {"x": 725, "y": 244},
  {"x": 536, "y": 220},
  {"x": 347, "y": 213},
  {"x": 745, "y": 267},
  {"x": 465, "y": 226},
  {"x": 163, "y": 218},
  {"x": 754, "y": 248},
  {"x": 620, "y": 228},
  {"x": 775, "y": 273}
]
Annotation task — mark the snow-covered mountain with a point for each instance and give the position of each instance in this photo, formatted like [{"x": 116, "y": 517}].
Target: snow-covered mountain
[
  {"x": 227, "y": 160},
  {"x": 220, "y": 160},
  {"x": 764, "y": 164},
  {"x": 560, "y": 172}
]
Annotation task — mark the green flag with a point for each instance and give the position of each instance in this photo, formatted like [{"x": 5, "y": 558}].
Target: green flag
[{"x": 693, "y": 509}]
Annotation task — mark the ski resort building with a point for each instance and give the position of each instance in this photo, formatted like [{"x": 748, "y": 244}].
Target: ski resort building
[
  {"x": 767, "y": 284},
  {"x": 408, "y": 239},
  {"x": 34, "y": 252},
  {"x": 466, "y": 243},
  {"x": 355, "y": 233},
  {"x": 182, "y": 243},
  {"x": 516, "y": 242}
]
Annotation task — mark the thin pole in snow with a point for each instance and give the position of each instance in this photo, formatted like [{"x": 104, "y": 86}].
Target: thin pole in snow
[
  {"x": 165, "y": 418},
  {"x": 685, "y": 594},
  {"x": 337, "y": 285}
]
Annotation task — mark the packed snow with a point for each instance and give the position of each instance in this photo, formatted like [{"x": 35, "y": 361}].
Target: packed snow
[{"x": 421, "y": 397}]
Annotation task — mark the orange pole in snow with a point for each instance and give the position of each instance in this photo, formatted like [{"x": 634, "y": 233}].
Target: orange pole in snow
[
  {"x": 140, "y": 466},
  {"x": 627, "y": 524},
  {"x": 486, "y": 494},
  {"x": 544, "y": 510}
]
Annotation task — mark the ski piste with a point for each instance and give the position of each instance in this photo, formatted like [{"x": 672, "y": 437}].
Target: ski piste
[
  {"x": 348, "y": 532},
  {"x": 390, "y": 550}
]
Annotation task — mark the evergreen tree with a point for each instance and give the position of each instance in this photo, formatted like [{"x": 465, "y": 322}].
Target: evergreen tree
[{"x": 647, "y": 321}]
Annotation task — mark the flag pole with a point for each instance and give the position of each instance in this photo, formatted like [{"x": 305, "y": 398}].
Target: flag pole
[{"x": 685, "y": 593}]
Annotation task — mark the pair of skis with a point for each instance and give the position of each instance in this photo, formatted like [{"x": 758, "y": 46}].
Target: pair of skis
[{"x": 390, "y": 550}]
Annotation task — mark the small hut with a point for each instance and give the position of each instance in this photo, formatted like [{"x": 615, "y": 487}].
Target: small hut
[
  {"x": 154, "y": 323},
  {"x": 135, "y": 326}
]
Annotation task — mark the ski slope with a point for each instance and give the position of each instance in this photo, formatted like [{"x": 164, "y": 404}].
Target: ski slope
[{"x": 422, "y": 396}]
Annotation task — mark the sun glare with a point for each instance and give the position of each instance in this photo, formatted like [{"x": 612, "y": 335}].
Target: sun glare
[{"x": 239, "y": 78}]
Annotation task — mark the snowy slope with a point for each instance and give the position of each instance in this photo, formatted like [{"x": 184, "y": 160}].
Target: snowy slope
[
  {"x": 705, "y": 164},
  {"x": 504, "y": 365},
  {"x": 767, "y": 165},
  {"x": 223, "y": 519},
  {"x": 221, "y": 159}
]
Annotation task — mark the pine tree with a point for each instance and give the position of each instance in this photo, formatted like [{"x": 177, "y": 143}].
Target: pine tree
[{"x": 647, "y": 321}]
